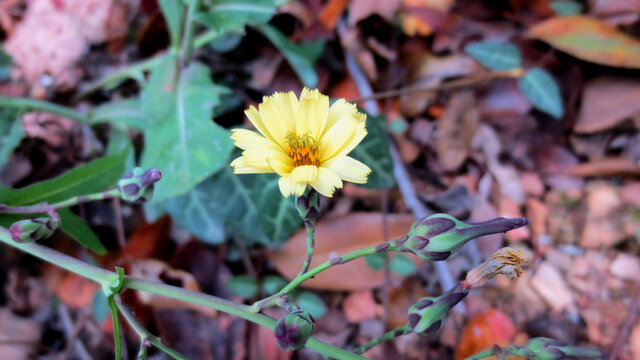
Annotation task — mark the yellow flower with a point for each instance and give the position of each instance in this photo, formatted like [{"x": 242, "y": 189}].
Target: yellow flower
[{"x": 304, "y": 141}]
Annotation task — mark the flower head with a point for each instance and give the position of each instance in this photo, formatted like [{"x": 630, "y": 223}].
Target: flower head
[
  {"x": 507, "y": 261},
  {"x": 305, "y": 141}
]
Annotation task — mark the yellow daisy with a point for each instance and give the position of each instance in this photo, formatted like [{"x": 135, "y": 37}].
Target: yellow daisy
[{"x": 304, "y": 141}]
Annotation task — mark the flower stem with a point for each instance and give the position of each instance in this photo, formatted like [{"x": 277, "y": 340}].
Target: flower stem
[
  {"x": 189, "y": 31},
  {"x": 103, "y": 277},
  {"x": 392, "y": 334},
  {"x": 311, "y": 228},
  {"x": 273, "y": 299},
  {"x": 43, "y": 208}
]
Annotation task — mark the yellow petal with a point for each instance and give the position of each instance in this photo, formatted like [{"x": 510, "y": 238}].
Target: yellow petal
[
  {"x": 251, "y": 140},
  {"x": 304, "y": 174},
  {"x": 326, "y": 182},
  {"x": 280, "y": 163},
  {"x": 277, "y": 113},
  {"x": 337, "y": 110},
  {"x": 343, "y": 136},
  {"x": 240, "y": 167},
  {"x": 254, "y": 116},
  {"x": 288, "y": 186},
  {"x": 349, "y": 169},
  {"x": 312, "y": 113}
]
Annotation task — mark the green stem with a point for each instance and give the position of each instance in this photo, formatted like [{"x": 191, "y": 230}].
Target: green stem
[
  {"x": 116, "y": 328},
  {"x": 189, "y": 31},
  {"x": 272, "y": 300},
  {"x": 103, "y": 277},
  {"x": 34, "y": 104},
  {"x": 43, "y": 208},
  {"x": 145, "y": 336},
  {"x": 392, "y": 334},
  {"x": 311, "y": 229},
  {"x": 134, "y": 71}
]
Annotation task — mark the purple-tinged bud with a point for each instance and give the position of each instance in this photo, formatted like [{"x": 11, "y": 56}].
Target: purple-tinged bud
[
  {"x": 427, "y": 315},
  {"x": 551, "y": 349},
  {"x": 308, "y": 205},
  {"x": 137, "y": 185},
  {"x": 440, "y": 236},
  {"x": 294, "y": 329},
  {"x": 29, "y": 230}
]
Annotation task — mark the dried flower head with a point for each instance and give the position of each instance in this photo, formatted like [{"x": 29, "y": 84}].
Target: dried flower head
[
  {"x": 507, "y": 261},
  {"x": 305, "y": 141}
]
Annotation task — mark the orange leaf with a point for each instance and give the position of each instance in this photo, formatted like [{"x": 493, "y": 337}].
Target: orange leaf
[
  {"x": 484, "y": 331},
  {"x": 143, "y": 243},
  {"x": 76, "y": 291},
  {"x": 331, "y": 12},
  {"x": 590, "y": 40},
  {"x": 340, "y": 236}
]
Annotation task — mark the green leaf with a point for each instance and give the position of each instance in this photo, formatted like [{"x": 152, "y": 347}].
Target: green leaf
[
  {"x": 543, "y": 92},
  {"x": 243, "y": 286},
  {"x": 82, "y": 180},
  {"x": 402, "y": 265},
  {"x": 180, "y": 138},
  {"x": 100, "y": 306},
  {"x": 126, "y": 112},
  {"x": 566, "y": 8},
  {"x": 311, "y": 303},
  {"x": 302, "y": 58},
  {"x": 375, "y": 261},
  {"x": 11, "y": 133},
  {"x": 75, "y": 227},
  {"x": 272, "y": 284},
  {"x": 374, "y": 152},
  {"x": 6, "y": 63},
  {"x": 195, "y": 212},
  {"x": 495, "y": 55},
  {"x": 251, "y": 205},
  {"x": 233, "y": 15},
  {"x": 173, "y": 12}
]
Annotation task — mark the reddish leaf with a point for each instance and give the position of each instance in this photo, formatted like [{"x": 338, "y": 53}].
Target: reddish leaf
[
  {"x": 484, "y": 331},
  {"x": 590, "y": 40},
  {"x": 76, "y": 291},
  {"x": 143, "y": 243},
  {"x": 331, "y": 12},
  {"x": 608, "y": 101}
]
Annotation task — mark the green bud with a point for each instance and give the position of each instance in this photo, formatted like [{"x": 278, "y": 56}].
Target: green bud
[
  {"x": 308, "y": 205},
  {"x": 440, "y": 236},
  {"x": 294, "y": 329},
  {"x": 427, "y": 315},
  {"x": 550, "y": 349},
  {"x": 35, "y": 229},
  {"x": 137, "y": 185}
]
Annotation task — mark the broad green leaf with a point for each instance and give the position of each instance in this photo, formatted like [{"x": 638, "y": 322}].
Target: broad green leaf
[
  {"x": 495, "y": 55},
  {"x": 272, "y": 284},
  {"x": 127, "y": 112},
  {"x": 302, "y": 58},
  {"x": 75, "y": 227},
  {"x": 566, "y": 8},
  {"x": 243, "y": 286},
  {"x": 543, "y": 92},
  {"x": 251, "y": 205},
  {"x": 180, "y": 138},
  {"x": 311, "y": 303},
  {"x": 118, "y": 142},
  {"x": 173, "y": 12},
  {"x": 5, "y": 65},
  {"x": 589, "y": 39},
  {"x": 374, "y": 152},
  {"x": 82, "y": 180},
  {"x": 375, "y": 261},
  {"x": 402, "y": 265},
  {"x": 233, "y": 15},
  {"x": 195, "y": 212},
  {"x": 11, "y": 133}
]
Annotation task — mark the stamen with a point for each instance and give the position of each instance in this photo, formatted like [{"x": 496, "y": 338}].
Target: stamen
[{"x": 303, "y": 149}]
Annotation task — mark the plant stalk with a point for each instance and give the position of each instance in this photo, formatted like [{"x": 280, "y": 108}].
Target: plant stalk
[{"x": 43, "y": 208}]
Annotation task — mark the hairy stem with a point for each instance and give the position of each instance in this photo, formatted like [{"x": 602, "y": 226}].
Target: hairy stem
[
  {"x": 311, "y": 229},
  {"x": 103, "y": 277},
  {"x": 43, "y": 208},
  {"x": 392, "y": 334},
  {"x": 273, "y": 299}
]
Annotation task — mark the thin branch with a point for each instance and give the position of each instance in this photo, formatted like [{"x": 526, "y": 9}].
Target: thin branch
[{"x": 45, "y": 208}]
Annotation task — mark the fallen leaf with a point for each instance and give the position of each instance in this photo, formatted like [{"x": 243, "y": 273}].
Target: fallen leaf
[
  {"x": 456, "y": 129},
  {"x": 337, "y": 236},
  {"x": 590, "y": 40},
  {"x": 616, "y": 166},
  {"x": 511, "y": 209},
  {"x": 484, "y": 331},
  {"x": 630, "y": 194},
  {"x": 331, "y": 12},
  {"x": 626, "y": 267},
  {"x": 20, "y": 336},
  {"x": 362, "y": 9},
  {"x": 550, "y": 285},
  {"x": 402, "y": 296},
  {"x": 359, "y": 306},
  {"x": 607, "y": 101},
  {"x": 634, "y": 341},
  {"x": 144, "y": 242},
  {"x": 76, "y": 291},
  {"x": 606, "y": 217}
]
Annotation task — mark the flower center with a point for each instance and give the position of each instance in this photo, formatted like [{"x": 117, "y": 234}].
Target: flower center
[{"x": 303, "y": 149}]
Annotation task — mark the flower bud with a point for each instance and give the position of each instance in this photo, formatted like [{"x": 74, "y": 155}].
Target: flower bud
[
  {"x": 550, "y": 349},
  {"x": 137, "y": 185},
  {"x": 427, "y": 315},
  {"x": 308, "y": 205},
  {"x": 35, "y": 229},
  {"x": 507, "y": 261},
  {"x": 440, "y": 236},
  {"x": 294, "y": 329}
]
